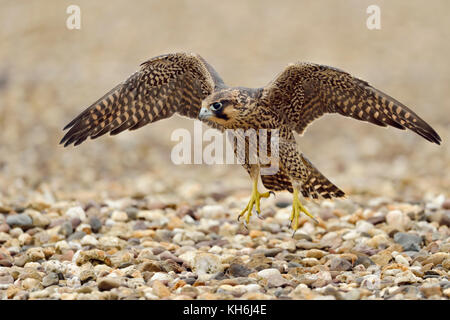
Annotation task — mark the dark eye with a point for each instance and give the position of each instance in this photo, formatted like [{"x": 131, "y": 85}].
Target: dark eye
[{"x": 216, "y": 106}]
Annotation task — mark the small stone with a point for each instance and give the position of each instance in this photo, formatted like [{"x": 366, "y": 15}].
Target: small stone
[
  {"x": 446, "y": 264},
  {"x": 66, "y": 229},
  {"x": 431, "y": 290},
  {"x": 315, "y": 253},
  {"x": 39, "y": 220},
  {"x": 363, "y": 226},
  {"x": 30, "y": 283},
  {"x": 6, "y": 281},
  {"x": 4, "y": 227},
  {"x": 266, "y": 273},
  {"x": 151, "y": 266},
  {"x": 401, "y": 260},
  {"x": 351, "y": 235},
  {"x": 76, "y": 212},
  {"x": 119, "y": 216},
  {"x": 272, "y": 252},
  {"x": 89, "y": 240},
  {"x": 409, "y": 241},
  {"x": 87, "y": 275},
  {"x": 406, "y": 277},
  {"x": 445, "y": 219},
  {"x": 206, "y": 263},
  {"x": 160, "y": 289},
  {"x": 310, "y": 262},
  {"x": 95, "y": 224},
  {"x": 339, "y": 264},
  {"x": 25, "y": 239},
  {"x": 238, "y": 270},
  {"x": 381, "y": 258},
  {"x": 35, "y": 254},
  {"x": 77, "y": 235},
  {"x": 436, "y": 258},
  {"x": 323, "y": 278},
  {"x": 106, "y": 284},
  {"x": 95, "y": 256},
  {"x": 256, "y": 234},
  {"x": 21, "y": 220},
  {"x": 50, "y": 279},
  {"x": 378, "y": 241},
  {"x": 397, "y": 219},
  {"x": 162, "y": 276},
  {"x": 446, "y": 204}
]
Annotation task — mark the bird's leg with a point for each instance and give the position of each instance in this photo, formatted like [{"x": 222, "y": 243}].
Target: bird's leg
[
  {"x": 297, "y": 207},
  {"x": 253, "y": 202}
]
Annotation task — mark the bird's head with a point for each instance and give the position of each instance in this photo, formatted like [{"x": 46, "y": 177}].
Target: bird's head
[{"x": 224, "y": 107}]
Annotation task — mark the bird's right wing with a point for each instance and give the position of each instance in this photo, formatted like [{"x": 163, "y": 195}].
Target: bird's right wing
[
  {"x": 164, "y": 85},
  {"x": 305, "y": 91}
]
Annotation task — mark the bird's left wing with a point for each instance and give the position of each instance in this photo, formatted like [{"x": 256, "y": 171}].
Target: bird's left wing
[
  {"x": 164, "y": 85},
  {"x": 305, "y": 91}
]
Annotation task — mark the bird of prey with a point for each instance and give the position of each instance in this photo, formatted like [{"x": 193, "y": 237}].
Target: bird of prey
[{"x": 185, "y": 84}]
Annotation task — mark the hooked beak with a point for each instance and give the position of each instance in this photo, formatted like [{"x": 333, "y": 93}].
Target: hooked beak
[{"x": 205, "y": 114}]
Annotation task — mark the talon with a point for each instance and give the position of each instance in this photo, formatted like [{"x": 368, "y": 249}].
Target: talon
[
  {"x": 273, "y": 193},
  {"x": 297, "y": 207},
  {"x": 253, "y": 204}
]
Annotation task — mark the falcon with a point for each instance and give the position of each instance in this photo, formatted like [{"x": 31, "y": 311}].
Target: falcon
[{"x": 185, "y": 84}]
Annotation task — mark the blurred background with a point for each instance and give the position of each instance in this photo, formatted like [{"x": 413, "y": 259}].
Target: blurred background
[{"x": 49, "y": 74}]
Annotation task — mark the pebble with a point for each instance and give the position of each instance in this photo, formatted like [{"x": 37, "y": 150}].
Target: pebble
[
  {"x": 436, "y": 258},
  {"x": 30, "y": 283},
  {"x": 238, "y": 270},
  {"x": 119, "y": 216},
  {"x": 315, "y": 253},
  {"x": 95, "y": 224},
  {"x": 35, "y": 254},
  {"x": 160, "y": 289},
  {"x": 21, "y": 220},
  {"x": 106, "y": 284},
  {"x": 339, "y": 264},
  {"x": 401, "y": 260},
  {"x": 397, "y": 219},
  {"x": 76, "y": 213},
  {"x": 6, "y": 281},
  {"x": 89, "y": 240},
  {"x": 406, "y": 277},
  {"x": 409, "y": 241},
  {"x": 206, "y": 263},
  {"x": 50, "y": 279},
  {"x": 161, "y": 276}
]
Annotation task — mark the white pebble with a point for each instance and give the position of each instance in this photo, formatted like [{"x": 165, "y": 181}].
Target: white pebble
[
  {"x": 161, "y": 276},
  {"x": 76, "y": 212},
  {"x": 206, "y": 263},
  {"x": 89, "y": 240},
  {"x": 397, "y": 219},
  {"x": 401, "y": 260},
  {"x": 266, "y": 273},
  {"x": 119, "y": 216}
]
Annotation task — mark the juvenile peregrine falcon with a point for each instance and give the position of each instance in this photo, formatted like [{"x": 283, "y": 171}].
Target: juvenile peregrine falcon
[{"x": 186, "y": 84}]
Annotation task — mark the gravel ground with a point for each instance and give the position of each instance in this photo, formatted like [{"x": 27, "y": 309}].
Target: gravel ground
[
  {"x": 115, "y": 219},
  {"x": 136, "y": 248}
]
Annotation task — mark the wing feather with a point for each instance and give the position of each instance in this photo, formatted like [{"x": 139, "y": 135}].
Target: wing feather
[
  {"x": 304, "y": 91},
  {"x": 164, "y": 85}
]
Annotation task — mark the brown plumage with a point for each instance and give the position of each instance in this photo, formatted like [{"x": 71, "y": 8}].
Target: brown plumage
[{"x": 186, "y": 84}]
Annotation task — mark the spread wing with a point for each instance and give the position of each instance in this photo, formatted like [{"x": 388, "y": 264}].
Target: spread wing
[
  {"x": 304, "y": 91},
  {"x": 164, "y": 85}
]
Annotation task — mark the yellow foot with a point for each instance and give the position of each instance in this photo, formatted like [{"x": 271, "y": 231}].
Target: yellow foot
[
  {"x": 297, "y": 207},
  {"x": 254, "y": 202}
]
